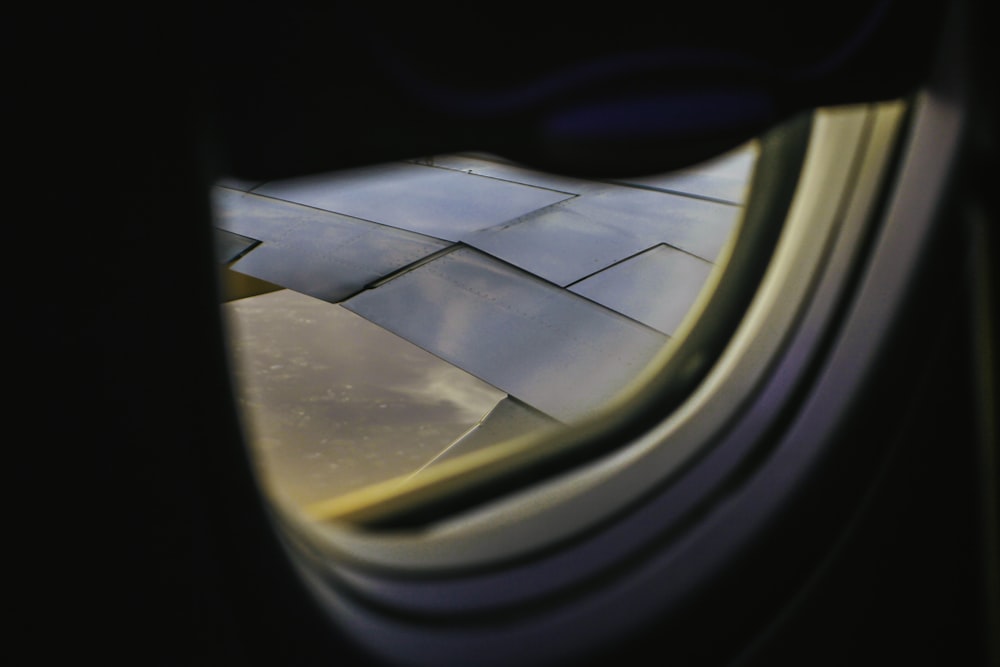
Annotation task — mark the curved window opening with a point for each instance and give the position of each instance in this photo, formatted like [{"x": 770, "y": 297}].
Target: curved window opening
[
  {"x": 523, "y": 529},
  {"x": 813, "y": 201},
  {"x": 627, "y": 515}
]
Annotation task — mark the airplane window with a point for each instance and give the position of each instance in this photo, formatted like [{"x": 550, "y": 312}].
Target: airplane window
[
  {"x": 510, "y": 417},
  {"x": 386, "y": 319}
]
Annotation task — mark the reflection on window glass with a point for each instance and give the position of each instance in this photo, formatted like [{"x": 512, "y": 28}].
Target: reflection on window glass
[{"x": 387, "y": 318}]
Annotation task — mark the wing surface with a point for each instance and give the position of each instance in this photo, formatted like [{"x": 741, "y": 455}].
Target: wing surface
[{"x": 554, "y": 290}]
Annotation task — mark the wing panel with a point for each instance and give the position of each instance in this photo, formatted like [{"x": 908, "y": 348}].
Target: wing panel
[
  {"x": 552, "y": 349},
  {"x": 508, "y": 419},
  {"x": 318, "y": 253},
  {"x": 657, "y": 287},
  {"x": 443, "y": 203},
  {"x": 495, "y": 167},
  {"x": 562, "y": 244},
  {"x": 567, "y": 242},
  {"x": 334, "y": 402},
  {"x": 725, "y": 178},
  {"x": 229, "y": 246}
]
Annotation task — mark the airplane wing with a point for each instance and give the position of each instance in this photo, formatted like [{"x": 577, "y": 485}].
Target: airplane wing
[{"x": 556, "y": 291}]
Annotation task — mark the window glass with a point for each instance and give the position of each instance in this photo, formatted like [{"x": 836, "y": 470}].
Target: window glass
[{"x": 385, "y": 319}]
